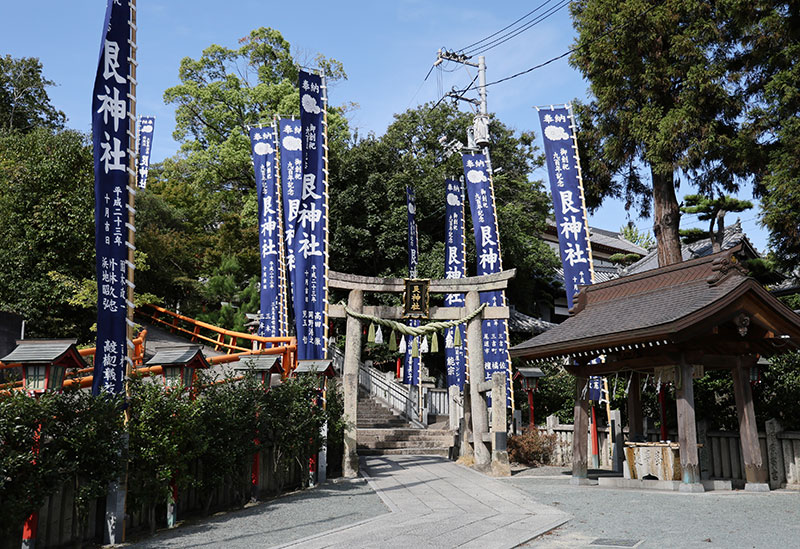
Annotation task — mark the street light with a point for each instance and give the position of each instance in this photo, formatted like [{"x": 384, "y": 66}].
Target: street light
[
  {"x": 530, "y": 380},
  {"x": 179, "y": 364},
  {"x": 263, "y": 366},
  {"x": 44, "y": 363}
]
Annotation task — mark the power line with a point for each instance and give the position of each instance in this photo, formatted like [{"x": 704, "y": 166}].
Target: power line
[
  {"x": 566, "y": 53},
  {"x": 505, "y": 38},
  {"x": 540, "y": 6}
]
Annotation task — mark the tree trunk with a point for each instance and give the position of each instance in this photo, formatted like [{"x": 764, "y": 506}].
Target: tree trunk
[
  {"x": 666, "y": 219},
  {"x": 716, "y": 237}
]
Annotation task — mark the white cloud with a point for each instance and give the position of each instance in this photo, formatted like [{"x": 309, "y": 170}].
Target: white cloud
[
  {"x": 476, "y": 176},
  {"x": 555, "y": 133},
  {"x": 310, "y": 104},
  {"x": 453, "y": 199},
  {"x": 292, "y": 143},
  {"x": 263, "y": 148}
]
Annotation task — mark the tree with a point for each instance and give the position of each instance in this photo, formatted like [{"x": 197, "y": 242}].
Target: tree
[
  {"x": 662, "y": 98},
  {"x": 633, "y": 235},
  {"x": 769, "y": 58},
  {"x": 47, "y": 230},
  {"x": 199, "y": 209},
  {"x": 24, "y": 103},
  {"x": 368, "y": 200},
  {"x": 712, "y": 210}
]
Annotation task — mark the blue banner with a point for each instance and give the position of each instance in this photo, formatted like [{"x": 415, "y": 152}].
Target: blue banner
[
  {"x": 455, "y": 266},
  {"x": 110, "y": 126},
  {"x": 572, "y": 223},
  {"x": 144, "y": 143},
  {"x": 272, "y": 313},
  {"x": 291, "y": 183},
  {"x": 566, "y": 185},
  {"x": 311, "y": 237},
  {"x": 487, "y": 243},
  {"x": 411, "y": 365}
]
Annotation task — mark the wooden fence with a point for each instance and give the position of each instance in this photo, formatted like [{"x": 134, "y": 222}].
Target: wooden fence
[
  {"x": 720, "y": 455},
  {"x": 56, "y": 515}
]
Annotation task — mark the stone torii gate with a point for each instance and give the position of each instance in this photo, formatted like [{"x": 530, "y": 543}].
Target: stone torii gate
[{"x": 470, "y": 286}]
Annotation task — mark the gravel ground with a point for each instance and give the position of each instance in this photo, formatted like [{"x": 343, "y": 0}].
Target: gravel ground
[
  {"x": 278, "y": 521},
  {"x": 647, "y": 518}
]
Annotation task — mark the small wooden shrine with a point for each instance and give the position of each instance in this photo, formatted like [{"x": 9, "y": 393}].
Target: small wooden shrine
[{"x": 673, "y": 322}]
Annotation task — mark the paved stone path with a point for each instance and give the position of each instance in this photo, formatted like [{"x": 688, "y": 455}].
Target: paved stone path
[{"x": 437, "y": 503}]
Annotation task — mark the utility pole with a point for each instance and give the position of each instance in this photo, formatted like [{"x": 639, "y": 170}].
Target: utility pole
[{"x": 480, "y": 126}]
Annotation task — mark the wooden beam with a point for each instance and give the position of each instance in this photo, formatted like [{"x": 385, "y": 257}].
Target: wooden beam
[
  {"x": 754, "y": 470},
  {"x": 580, "y": 440},
  {"x": 437, "y": 313},
  {"x": 496, "y": 281},
  {"x": 635, "y": 423},
  {"x": 687, "y": 429}
]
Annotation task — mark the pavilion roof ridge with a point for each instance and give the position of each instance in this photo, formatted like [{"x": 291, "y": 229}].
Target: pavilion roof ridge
[{"x": 707, "y": 268}]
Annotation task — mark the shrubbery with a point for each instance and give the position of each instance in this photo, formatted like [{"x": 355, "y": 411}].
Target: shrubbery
[
  {"x": 531, "y": 448},
  {"x": 215, "y": 427}
]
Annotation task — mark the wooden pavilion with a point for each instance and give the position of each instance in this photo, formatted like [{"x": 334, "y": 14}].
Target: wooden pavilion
[{"x": 673, "y": 321}]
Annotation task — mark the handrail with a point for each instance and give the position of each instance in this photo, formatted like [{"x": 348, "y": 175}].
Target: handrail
[
  {"x": 222, "y": 332},
  {"x": 399, "y": 398}
]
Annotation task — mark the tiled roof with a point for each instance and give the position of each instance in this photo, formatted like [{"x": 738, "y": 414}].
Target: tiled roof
[
  {"x": 520, "y": 322},
  {"x": 190, "y": 355},
  {"x": 644, "y": 307},
  {"x": 734, "y": 235},
  {"x": 608, "y": 239},
  {"x": 33, "y": 351}
]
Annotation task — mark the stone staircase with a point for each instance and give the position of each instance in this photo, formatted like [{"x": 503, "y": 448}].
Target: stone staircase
[{"x": 382, "y": 432}]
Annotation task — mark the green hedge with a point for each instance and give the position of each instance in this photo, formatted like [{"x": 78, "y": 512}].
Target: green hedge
[{"x": 214, "y": 428}]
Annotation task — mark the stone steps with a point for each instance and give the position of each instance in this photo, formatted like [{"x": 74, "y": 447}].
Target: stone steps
[
  {"x": 441, "y": 452},
  {"x": 381, "y": 432}
]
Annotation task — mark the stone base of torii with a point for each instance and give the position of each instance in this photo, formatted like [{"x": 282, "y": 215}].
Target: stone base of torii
[{"x": 488, "y": 449}]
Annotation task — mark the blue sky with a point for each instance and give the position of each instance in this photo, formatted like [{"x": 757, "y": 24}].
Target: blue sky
[{"x": 386, "y": 48}]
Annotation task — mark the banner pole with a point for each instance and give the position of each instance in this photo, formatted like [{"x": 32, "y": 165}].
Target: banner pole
[{"x": 132, "y": 187}]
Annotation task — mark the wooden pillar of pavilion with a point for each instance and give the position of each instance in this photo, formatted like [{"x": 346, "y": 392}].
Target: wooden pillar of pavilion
[
  {"x": 687, "y": 429},
  {"x": 580, "y": 440},
  {"x": 754, "y": 470},
  {"x": 635, "y": 423}
]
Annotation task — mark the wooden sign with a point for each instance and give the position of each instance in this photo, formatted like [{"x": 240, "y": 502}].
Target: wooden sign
[{"x": 416, "y": 298}]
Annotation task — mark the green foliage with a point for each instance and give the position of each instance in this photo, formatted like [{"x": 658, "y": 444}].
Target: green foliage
[
  {"x": 791, "y": 301},
  {"x": 24, "y": 103},
  {"x": 227, "y": 417},
  {"x": 712, "y": 210},
  {"x": 199, "y": 209},
  {"x": 47, "y": 230},
  {"x": 662, "y": 100},
  {"x": 554, "y": 395},
  {"x": 776, "y": 394},
  {"x": 51, "y": 439},
  {"x": 163, "y": 441},
  {"x": 90, "y": 439},
  {"x": 768, "y": 58},
  {"x": 531, "y": 448},
  {"x": 624, "y": 259},
  {"x": 690, "y": 236},
  {"x": 28, "y": 476},
  {"x": 632, "y": 234},
  {"x": 368, "y": 223},
  {"x": 292, "y": 422}
]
